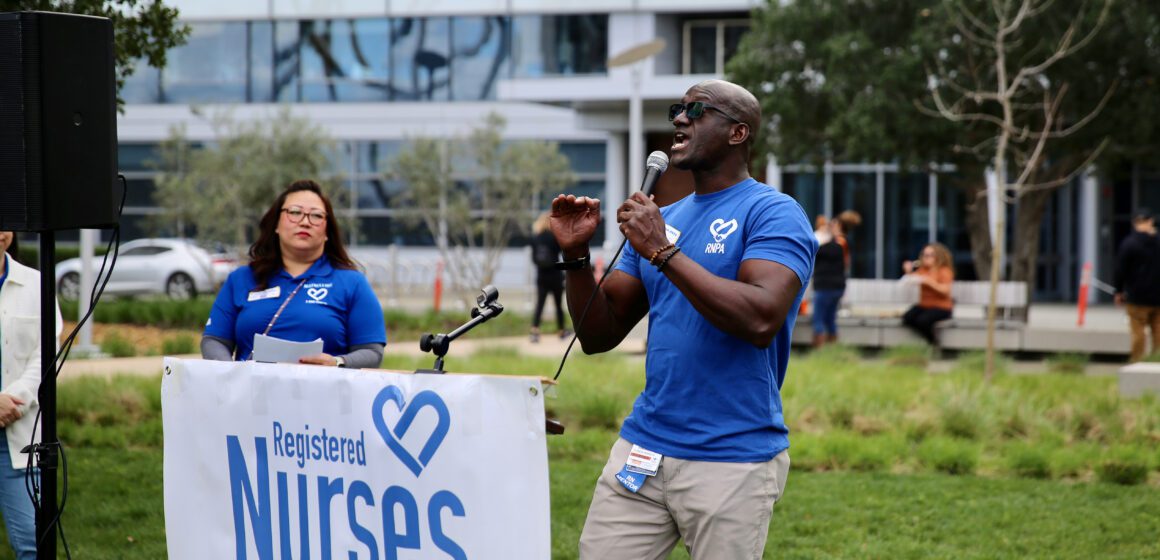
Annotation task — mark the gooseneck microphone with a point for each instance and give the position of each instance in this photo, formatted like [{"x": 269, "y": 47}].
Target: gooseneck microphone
[{"x": 657, "y": 163}]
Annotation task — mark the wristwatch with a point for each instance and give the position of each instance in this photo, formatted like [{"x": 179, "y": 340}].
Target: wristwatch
[
  {"x": 339, "y": 361},
  {"x": 581, "y": 263}
]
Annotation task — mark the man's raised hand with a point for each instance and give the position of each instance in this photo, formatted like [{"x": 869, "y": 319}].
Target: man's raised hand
[{"x": 573, "y": 221}]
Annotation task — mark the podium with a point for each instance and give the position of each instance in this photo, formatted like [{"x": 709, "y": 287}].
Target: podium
[{"x": 270, "y": 461}]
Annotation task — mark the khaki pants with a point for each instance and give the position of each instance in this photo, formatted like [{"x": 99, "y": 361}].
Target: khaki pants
[
  {"x": 1140, "y": 318},
  {"x": 722, "y": 510}
]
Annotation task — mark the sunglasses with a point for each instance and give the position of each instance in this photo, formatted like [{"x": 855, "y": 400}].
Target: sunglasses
[{"x": 694, "y": 110}]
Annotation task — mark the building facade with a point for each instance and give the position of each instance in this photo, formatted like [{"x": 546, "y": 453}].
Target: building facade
[{"x": 375, "y": 73}]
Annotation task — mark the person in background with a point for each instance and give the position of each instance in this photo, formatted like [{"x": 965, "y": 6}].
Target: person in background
[
  {"x": 20, "y": 379},
  {"x": 1137, "y": 282},
  {"x": 936, "y": 274},
  {"x": 549, "y": 281},
  {"x": 822, "y": 229},
  {"x": 300, "y": 285},
  {"x": 831, "y": 268}
]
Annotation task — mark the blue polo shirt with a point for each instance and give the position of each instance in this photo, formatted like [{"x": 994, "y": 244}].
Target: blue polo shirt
[
  {"x": 710, "y": 396},
  {"x": 336, "y": 305}
]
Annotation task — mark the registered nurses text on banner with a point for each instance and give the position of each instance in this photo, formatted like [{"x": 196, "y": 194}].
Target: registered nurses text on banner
[{"x": 274, "y": 461}]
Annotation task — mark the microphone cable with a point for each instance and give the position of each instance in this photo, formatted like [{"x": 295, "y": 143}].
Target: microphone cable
[
  {"x": 587, "y": 306},
  {"x": 657, "y": 163},
  {"x": 32, "y": 482}
]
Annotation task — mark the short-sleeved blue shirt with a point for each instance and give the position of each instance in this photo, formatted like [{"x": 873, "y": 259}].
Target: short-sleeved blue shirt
[
  {"x": 336, "y": 305},
  {"x": 710, "y": 396}
]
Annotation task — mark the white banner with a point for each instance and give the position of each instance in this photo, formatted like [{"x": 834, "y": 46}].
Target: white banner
[{"x": 280, "y": 461}]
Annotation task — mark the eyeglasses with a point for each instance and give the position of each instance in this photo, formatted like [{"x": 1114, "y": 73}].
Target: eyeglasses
[
  {"x": 694, "y": 110},
  {"x": 296, "y": 213}
]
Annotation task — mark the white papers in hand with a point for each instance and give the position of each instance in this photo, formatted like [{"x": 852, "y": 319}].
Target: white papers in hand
[{"x": 272, "y": 349}]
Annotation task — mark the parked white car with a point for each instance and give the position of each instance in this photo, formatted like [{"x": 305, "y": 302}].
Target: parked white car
[{"x": 176, "y": 268}]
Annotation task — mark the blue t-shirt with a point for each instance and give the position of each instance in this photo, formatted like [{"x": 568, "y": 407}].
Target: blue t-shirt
[
  {"x": 336, "y": 305},
  {"x": 710, "y": 396}
]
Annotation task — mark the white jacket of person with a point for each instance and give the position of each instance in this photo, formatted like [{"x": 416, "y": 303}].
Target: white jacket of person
[{"x": 20, "y": 352}]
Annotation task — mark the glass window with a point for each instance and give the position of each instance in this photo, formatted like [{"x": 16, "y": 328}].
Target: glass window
[
  {"x": 381, "y": 230},
  {"x": 344, "y": 60},
  {"x": 144, "y": 86},
  {"x": 207, "y": 69},
  {"x": 710, "y": 43},
  {"x": 140, "y": 190},
  {"x": 906, "y": 224},
  {"x": 733, "y": 31},
  {"x": 585, "y": 157},
  {"x": 137, "y": 157},
  {"x": 479, "y": 56},
  {"x": 559, "y": 45},
  {"x": 376, "y": 157},
  {"x": 807, "y": 188},
  {"x": 952, "y": 228},
  {"x": 703, "y": 49},
  {"x": 146, "y": 251},
  {"x": 856, "y": 191},
  {"x": 287, "y": 66},
  {"x": 261, "y": 55},
  {"x": 378, "y": 193},
  {"x": 420, "y": 56}
]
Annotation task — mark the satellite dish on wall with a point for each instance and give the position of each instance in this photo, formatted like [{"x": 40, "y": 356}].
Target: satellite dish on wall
[{"x": 637, "y": 53}]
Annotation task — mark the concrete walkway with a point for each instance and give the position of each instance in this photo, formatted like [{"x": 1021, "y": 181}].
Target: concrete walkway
[
  {"x": 1056, "y": 316},
  {"x": 549, "y": 345}
]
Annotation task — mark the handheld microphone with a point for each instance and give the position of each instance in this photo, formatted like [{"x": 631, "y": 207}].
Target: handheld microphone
[{"x": 657, "y": 163}]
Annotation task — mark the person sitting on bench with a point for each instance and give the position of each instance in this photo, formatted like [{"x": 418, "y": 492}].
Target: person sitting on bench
[{"x": 934, "y": 271}]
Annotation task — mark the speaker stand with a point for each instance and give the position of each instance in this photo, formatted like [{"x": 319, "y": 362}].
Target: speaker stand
[{"x": 48, "y": 450}]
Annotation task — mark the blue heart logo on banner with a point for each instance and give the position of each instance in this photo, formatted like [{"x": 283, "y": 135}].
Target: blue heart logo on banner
[{"x": 394, "y": 437}]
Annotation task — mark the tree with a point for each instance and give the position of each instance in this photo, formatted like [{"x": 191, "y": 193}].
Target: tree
[
  {"x": 1008, "y": 90},
  {"x": 841, "y": 81},
  {"x": 475, "y": 217},
  {"x": 142, "y": 29},
  {"x": 223, "y": 188}
]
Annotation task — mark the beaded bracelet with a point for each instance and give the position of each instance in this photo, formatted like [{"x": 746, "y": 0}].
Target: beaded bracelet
[
  {"x": 653, "y": 259},
  {"x": 661, "y": 266}
]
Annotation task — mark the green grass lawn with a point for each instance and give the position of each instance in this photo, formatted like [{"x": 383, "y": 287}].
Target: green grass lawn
[{"x": 1044, "y": 466}]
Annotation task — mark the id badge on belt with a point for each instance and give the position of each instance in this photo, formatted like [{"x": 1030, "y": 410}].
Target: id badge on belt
[{"x": 640, "y": 465}]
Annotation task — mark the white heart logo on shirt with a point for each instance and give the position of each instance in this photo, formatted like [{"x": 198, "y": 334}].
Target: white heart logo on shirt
[
  {"x": 721, "y": 229},
  {"x": 317, "y": 294}
]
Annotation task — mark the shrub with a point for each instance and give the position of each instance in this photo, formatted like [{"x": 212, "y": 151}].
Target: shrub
[
  {"x": 180, "y": 344},
  {"x": 117, "y": 346},
  {"x": 961, "y": 415},
  {"x": 919, "y": 424},
  {"x": 949, "y": 455},
  {"x": 806, "y": 452},
  {"x": 1028, "y": 460},
  {"x": 908, "y": 355},
  {"x": 1124, "y": 465},
  {"x": 975, "y": 362},
  {"x": 1068, "y": 363},
  {"x": 599, "y": 410},
  {"x": 836, "y": 353},
  {"x": 1073, "y": 461}
]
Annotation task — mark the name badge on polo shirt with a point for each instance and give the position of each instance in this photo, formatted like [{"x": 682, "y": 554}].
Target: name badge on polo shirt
[
  {"x": 640, "y": 465},
  {"x": 265, "y": 294}
]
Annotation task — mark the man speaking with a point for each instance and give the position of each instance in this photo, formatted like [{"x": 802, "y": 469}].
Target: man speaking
[{"x": 704, "y": 454}]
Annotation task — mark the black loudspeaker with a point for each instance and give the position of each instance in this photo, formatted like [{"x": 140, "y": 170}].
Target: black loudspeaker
[{"x": 58, "y": 127}]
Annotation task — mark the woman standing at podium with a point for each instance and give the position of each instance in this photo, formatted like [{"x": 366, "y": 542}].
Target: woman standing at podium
[
  {"x": 300, "y": 285},
  {"x": 20, "y": 378}
]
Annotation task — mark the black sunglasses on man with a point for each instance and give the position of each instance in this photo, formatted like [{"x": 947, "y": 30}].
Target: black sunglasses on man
[{"x": 694, "y": 109}]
